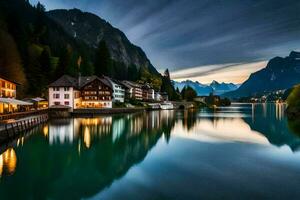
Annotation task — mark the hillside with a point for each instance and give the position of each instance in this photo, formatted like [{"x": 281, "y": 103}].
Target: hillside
[
  {"x": 279, "y": 74},
  {"x": 91, "y": 29},
  {"x": 37, "y": 47}
]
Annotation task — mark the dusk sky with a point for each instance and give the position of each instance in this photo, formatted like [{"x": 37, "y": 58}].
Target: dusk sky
[{"x": 204, "y": 40}]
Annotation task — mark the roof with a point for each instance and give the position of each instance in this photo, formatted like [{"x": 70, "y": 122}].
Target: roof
[
  {"x": 64, "y": 81},
  {"x": 130, "y": 84},
  {"x": 37, "y": 99},
  {"x": 14, "y": 101},
  {"x": 3, "y": 77},
  {"x": 84, "y": 80}
]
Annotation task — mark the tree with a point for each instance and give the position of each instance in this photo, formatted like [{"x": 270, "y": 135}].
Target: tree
[
  {"x": 167, "y": 74},
  {"x": 45, "y": 63},
  {"x": 64, "y": 62},
  {"x": 188, "y": 93},
  {"x": 294, "y": 97},
  {"x": 103, "y": 60},
  {"x": 10, "y": 61}
]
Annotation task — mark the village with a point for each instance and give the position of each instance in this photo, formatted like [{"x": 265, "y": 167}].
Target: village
[{"x": 83, "y": 92}]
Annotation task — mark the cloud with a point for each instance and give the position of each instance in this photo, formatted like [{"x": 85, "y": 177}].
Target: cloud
[
  {"x": 231, "y": 72},
  {"x": 177, "y": 33}
]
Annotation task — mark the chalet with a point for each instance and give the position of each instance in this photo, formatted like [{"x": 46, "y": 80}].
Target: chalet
[
  {"x": 118, "y": 89},
  {"x": 133, "y": 90},
  {"x": 95, "y": 92},
  {"x": 8, "y": 94},
  {"x": 82, "y": 92}
]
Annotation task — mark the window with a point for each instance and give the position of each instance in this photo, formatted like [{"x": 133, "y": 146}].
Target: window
[
  {"x": 67, "y": 103},
  {"x": 67, "y": 96},
  {"x": 57, "y": 103},
  {"x": 66, "y": 89},
  {"x": 56, "y": 89},
  {"x": 56, "y": 96}
]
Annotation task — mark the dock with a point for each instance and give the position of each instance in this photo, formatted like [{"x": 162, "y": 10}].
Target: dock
[{"x": 15, "y": 128}]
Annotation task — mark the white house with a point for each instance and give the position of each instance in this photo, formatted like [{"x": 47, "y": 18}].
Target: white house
[
  {"x": 118, "y": 90},
  {"x": 64, "y": 91},
  {"x": 83, "y": 92}
]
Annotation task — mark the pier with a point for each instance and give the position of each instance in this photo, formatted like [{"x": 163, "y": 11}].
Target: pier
[{"x": 14, "y": 128}]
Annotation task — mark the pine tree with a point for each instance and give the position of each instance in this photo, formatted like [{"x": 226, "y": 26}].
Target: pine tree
[{"x": 103, "y": 60}]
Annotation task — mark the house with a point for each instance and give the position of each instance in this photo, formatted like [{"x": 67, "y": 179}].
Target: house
[
  {"x": 81, "y": 92},
  {"x": 38, "y": 103},
  {"x": 8, "y": 88},
  {"x": 118, "y": 89},
  {"x": 8, "y": 94},
  {"x": 133, "y": 90},
  {"x": 95, "y": 92},
  {"x": 148, "y": 93},
  {"x": 64, "y": 91}
]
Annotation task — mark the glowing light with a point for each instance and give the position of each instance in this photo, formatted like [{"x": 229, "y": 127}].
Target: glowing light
[
  {"x": 87, "y": 137},
  {"x": 46, "y": 130},
  {"x": 8, "y": 161}
]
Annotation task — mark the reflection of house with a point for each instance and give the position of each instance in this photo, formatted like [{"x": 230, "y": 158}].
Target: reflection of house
[
  {"x": 118, "y": 89},
  {"x": 133, "y": 90},
  {"x": 84, "y": 92}
]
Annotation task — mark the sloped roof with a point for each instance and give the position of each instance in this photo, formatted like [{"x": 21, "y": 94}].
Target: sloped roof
[
  {"x": 65, "y": 81},
  {"x": 3, "y": 77}
]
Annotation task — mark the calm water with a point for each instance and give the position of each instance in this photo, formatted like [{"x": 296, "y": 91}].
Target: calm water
[{"x": 241, "y": 152}]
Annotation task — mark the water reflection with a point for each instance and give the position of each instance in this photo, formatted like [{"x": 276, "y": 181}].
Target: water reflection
[
  {"x": 8, "y": 162},
  {"x": 78, "y": 158}
]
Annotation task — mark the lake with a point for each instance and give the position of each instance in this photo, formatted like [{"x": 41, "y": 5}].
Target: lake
[{"x": 246, "y": 151}]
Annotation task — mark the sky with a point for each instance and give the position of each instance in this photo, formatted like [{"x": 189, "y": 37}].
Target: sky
[{"x": 203, "y": 40}]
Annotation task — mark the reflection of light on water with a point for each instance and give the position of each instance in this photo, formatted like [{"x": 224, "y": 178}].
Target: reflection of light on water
[
  {"x": 46, "y": 130},
  {"x": 280, "y": 111},
  {"x": 118, "y": 128},
  {"x": 220, "y": 130},
  {"x": 8, "y": 161},
  {"x": 87, "y": 137}
]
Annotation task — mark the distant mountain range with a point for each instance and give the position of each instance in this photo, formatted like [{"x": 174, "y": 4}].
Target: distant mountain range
[
  {"x": 205, "y": 89},
  {"x": 279, "y": 74}
]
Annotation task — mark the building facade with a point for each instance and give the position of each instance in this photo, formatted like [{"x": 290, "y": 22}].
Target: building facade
[
  {"x": 118, "y": 90},
  {"x": 148, "y": 93},
  {"x": 8, "y": 89},
  {"x": 96, "y": 93},
  {"x": 133, "y": 90},
  {"x": 83, "y": 92}
]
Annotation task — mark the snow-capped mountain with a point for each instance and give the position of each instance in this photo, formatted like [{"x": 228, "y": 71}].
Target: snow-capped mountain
[{"x": 206, "y": 89}]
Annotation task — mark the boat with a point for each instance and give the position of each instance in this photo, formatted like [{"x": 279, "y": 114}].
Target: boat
[{"x": 166, "y": 106}]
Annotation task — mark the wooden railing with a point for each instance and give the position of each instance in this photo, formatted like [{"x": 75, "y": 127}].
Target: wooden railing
[
  {"x": 12, "y": 129},
  {"x": 19, "y": 115}
]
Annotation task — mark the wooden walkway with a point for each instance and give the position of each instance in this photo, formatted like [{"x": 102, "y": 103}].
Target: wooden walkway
[{"x": 13, "y": 129}]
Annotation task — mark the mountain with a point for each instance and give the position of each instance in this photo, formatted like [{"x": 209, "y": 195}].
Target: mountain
[
  {"x": 279, "y": 74},
  {"x": 37, "y": 47},
  {"x": 91, "y": 29},
  {"x": 205, "y": 90}
]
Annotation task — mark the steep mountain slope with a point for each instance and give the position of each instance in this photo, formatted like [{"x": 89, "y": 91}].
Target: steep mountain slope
[
  {"x": 205, "y": 90},
  {"x": 91, "y": 29},
  {"x": 50, "y": 44},
  {"x": 280, "y": 73}
]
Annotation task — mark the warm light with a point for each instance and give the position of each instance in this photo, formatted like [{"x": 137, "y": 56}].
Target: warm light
[
  {"x": 8, "y": 161},
  {"x": 46, "y": 130},
  {"x": 87, "y": 137}
]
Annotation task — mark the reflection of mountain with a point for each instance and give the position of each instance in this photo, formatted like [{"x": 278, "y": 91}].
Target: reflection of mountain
[
  {"x": 99, "y": 152},
  {"x": 276, "y": 129}
]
